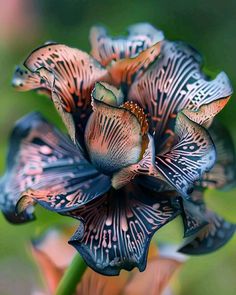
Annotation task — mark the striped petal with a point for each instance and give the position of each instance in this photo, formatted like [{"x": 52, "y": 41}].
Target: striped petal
[
  {"x": 24, "y": 80},
  {"x": 124, "y": 72},
  {"x": 175, "y": 82},
  {"x": 189, "y": 158},
  {"x": 106, "y": 49},
  {"x": 70, "y": 75},
  {"x": 44, "y": 166},
  {"x": 116, "y": 230},
  {"x": 111, "y": 132}
]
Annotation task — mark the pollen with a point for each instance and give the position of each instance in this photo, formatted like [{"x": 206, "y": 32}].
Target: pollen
[{"x": 139, "y": 113}]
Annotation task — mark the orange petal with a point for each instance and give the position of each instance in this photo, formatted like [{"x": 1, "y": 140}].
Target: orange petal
[
  {"x": 95, "y": 284},
  {"x": 157, "y": 275},
  {"x": 206, "y": 113},
  {"x": 126, "y": 70}
]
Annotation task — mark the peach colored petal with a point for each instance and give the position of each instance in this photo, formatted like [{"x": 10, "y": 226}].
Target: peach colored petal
[
  {"x": 154, "y": 279},
  {"x": 96, "y": 284},
  {"x": 50, "y": 272},
  {"x": 55, "y": 247}
]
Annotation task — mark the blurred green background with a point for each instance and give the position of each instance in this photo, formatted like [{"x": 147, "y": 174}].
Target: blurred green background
[{"x": 209, "y": 26}]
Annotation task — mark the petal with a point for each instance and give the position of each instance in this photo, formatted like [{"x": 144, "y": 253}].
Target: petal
[
  {"x": 172, "y": 83},
  {"x": 24, "y": 80},
  {"x": 189, "y": 158},
  {"x": 70, "y": 75},
  {"x": 116, "y": 230},
  {"x": 157, "y": 275},
  {"x": 206, "y": 113},
  {"x": 145, "y": 167},
  {"x": 194, "y": 218},
  {"x": 125, "y": 71},
  {"x": 52, "y": 255},
  {"x": 51, "y": 274},
  {"x": 93, "y": 283},
  {"x": 213, "y": 236},
  {"x": 53, "y": 244},
  {"x": 111, "y": 132},
  {"x": 106, "y": 49},
  {"x": 223, "y": 174},
  {"x": 47, "y": 164}
]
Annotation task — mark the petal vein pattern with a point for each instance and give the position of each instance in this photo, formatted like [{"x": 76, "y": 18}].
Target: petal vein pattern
[
  {"x": 45, "y": 167},
  {"x": 116, "y": 230},
  {"x": 172, "y": 83}
]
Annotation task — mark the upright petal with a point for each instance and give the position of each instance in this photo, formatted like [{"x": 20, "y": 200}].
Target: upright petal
[
  {"x": 116, "y": 230},
  {"x": 70, "y": 74},
  {"x": 157, "y": 275},
  {"x": 44, "y": 166},
  {"x": 106, "y": 49},
  {"x": 111, "y": 132},
  {"x": 172, "y": 83}
]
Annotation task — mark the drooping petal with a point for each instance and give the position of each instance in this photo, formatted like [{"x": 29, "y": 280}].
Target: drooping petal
[
  {"x": 189, "y": 158},
  {"x": 172, "y": 83},
  {"x": 111, "y": 132},
  {"x": 70, "y": 74},
  {"x": 213, "y": 236},
  {"x": 115, "y": 231},
  {"x": 44, "y": 166},
  {"x": 223, "y": 174},
  {"x": 106, "y": 49},
  {"x": 194, "y": 217}
]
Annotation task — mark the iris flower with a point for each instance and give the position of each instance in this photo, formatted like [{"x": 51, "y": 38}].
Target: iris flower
[
  {"x": 52, "y": 255},
  {"x": 143, "y": 146}
]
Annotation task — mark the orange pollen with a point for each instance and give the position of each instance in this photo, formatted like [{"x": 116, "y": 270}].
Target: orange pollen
[{"x": 139, "y": 114}]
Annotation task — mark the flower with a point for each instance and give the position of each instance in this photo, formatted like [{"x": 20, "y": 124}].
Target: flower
[
  {"x": 139, "y": 112},
  {"x": 53, "y": 255}
]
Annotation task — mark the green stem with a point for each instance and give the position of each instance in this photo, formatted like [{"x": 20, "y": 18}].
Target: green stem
[{"x": 72, "y": 276}]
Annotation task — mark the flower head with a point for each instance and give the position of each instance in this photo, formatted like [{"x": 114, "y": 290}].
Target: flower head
[{"x": 139, "y": 112}]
